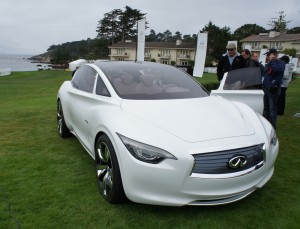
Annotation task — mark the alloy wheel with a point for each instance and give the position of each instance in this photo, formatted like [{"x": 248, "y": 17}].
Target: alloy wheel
[{"x": 104, "y": 169}]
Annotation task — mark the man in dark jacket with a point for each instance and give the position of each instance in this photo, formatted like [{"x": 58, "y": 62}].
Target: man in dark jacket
[
  {"x": 230, "y": 61},
  {"x": 273, "y": 75},
  {"x": 251, "y": 62}
]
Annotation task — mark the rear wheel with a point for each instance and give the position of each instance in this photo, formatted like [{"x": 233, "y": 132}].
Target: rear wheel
[
  {"x": 108, "y": 171},
  {"x": 61, "y": 125}
]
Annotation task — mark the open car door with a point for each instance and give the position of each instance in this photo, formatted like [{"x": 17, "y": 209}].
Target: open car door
[{"x": 243, "y": 85}]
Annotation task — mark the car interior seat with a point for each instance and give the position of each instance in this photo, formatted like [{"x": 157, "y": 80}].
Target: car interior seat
[
  {"x": 125, "y": 84},
  {"x": 147, "y": 85}
]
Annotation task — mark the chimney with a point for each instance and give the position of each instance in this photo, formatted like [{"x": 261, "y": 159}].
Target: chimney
[
  {"x": 273, "y": 34},
  {"x": 178, "y": 42}
]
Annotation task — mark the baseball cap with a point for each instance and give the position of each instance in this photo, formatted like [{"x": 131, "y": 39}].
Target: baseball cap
[{"x": 231, "y": 46}]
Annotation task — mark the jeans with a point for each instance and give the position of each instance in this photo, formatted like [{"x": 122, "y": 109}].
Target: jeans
[
  {"x": 270, "y": 105},
  {"x": 281, "y": 101}
]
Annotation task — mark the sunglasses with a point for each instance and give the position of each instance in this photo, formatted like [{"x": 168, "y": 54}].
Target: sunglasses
[{"x": 230, "y": 49}]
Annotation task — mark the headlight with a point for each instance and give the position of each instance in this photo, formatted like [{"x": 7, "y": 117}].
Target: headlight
[
  {"x": 273, "y": 137},
  {"x": 144, "y": 152}
]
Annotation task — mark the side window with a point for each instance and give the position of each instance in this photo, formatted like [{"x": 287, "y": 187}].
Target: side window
[
  {"x": 243, "y": 79},
  {"x": 101, "y": 89},
  {"x": 84, "y": 78},
  {"x": 76, "y": 77}
]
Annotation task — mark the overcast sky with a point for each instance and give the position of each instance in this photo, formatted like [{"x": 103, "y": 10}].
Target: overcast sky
[{"x": 32, "y": 26}]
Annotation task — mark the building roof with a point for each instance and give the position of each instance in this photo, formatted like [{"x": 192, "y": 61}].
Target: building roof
[
  {"x": 265, "y": 37},
  {"x": 169, "y": 45}
]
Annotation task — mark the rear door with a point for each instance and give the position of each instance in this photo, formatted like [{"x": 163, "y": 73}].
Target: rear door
[{"x": 243, "y": 85}]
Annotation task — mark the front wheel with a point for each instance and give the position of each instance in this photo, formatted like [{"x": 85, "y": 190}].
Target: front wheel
[{"x": 108, "y": 171}]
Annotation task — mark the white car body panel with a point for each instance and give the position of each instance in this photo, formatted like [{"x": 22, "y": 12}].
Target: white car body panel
[
  {"x": 183, "y": 127},
  {"x": 253, "y": 98},
  {"x": 159, "y": 112}
]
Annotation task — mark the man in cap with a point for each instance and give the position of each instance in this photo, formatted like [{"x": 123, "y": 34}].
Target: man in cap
[
  {"x": 230, "y": 61},
  {"x": 273, "y": 75}
]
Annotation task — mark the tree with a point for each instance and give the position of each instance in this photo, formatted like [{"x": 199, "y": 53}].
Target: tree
[
  {"x": 118, "y": 25},
  {"x": 159, "y": 37},
  {"x": 151, "y": 37},
  {"x": 290, "y": 52},
  {"x": 167, "y": 36},
  {"x": 109, "y": 26},
  {"x": 247, "y": 30},
  {"x": 217, "y": 40},
  {"x": 189, "y": 38},
  {"x": 59, "y": 56},
  {"x": 293, "y": 30},
  {"x": 128, "y": 21},
  {"x": 279, "y": 24},
  {"x": 177, "y": 36}
]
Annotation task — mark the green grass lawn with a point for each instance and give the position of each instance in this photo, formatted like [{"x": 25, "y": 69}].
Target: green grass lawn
[{"x": 49, "y": 182}]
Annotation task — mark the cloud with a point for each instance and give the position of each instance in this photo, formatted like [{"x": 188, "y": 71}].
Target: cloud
[{"x": 32, "y": 26}]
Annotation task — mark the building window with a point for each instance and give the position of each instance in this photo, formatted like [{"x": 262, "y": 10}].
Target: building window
[
  {"x": 185, "y": 52},
  {"x": 120, "y": 51},
  {"x": 184, "y": 63},
  {"x": 165, "y": 62},
  {"x": 165, "y": 53},
  {"x": 275, "y": 44},
  {"x": 255, "y": 45}
]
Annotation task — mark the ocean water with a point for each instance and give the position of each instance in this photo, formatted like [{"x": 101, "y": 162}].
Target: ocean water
[{"x": 17, "y": 62}]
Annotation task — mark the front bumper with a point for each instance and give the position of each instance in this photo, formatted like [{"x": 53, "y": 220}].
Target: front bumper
[{"x": 171, "y": 182}]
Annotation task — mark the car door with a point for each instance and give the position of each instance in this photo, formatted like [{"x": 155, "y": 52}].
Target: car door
[
  {"x": 83, "y": 100},
  {"x": 243, "y": 85}
]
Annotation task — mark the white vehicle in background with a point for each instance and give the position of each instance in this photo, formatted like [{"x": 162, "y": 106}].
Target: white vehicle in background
[
  {"x": 74, "y": 65},
  {"x": 42, "y": 67},
  {"x": 157, "y": 136}
]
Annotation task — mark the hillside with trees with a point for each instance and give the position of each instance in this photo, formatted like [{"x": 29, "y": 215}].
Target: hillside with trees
[{"x": 120, "y": 25}]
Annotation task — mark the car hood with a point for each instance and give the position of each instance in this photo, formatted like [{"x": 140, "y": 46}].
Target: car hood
[{"x": 192, "y": 120}]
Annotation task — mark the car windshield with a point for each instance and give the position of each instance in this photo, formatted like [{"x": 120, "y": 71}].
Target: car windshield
[{"x": 146, "y": 80}]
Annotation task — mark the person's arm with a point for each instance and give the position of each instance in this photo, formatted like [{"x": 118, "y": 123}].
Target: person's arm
[
  {"x": 286, "y": 72},
  {"x": 220, "y": 68},
  {"x": 275, "y": 67}
]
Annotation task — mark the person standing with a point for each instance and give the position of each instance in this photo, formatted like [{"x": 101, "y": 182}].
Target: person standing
[
  {"x": 255, "y": 57},
  {"x": 249, "y": 61},
  {"x": 230, "y": 61},
  {"x": 252, "y": 61},
  {"x": 273, "y": 75},
  {"x": 287, "y": 77}
]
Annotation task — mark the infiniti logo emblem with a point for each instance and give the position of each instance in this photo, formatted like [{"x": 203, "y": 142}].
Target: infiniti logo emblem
[{"x": 237, "y": 161}]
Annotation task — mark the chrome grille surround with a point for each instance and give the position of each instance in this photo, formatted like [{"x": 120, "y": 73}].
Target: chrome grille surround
[
  {"x": 225, "y": 200},
  {"x": 216, "y": 164}
]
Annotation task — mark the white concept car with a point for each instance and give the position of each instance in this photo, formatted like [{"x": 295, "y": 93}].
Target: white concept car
[{"x": 157, "y": 137}]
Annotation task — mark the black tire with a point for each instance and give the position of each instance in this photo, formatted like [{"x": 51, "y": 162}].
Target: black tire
[
  {"x": 63, "y": 130},
  {"x": 108, "y": 171}
]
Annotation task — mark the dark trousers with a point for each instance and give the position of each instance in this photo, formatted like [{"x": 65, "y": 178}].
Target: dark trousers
[
  {"x": 281, "y": 101},
  {"x": 270, "y": 105}
]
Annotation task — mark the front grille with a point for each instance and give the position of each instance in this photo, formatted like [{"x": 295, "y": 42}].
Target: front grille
[{"x": 218, "y": 162}]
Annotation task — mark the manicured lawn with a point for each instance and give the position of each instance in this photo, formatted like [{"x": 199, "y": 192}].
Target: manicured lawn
[{"x": 49, "y": 182}]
